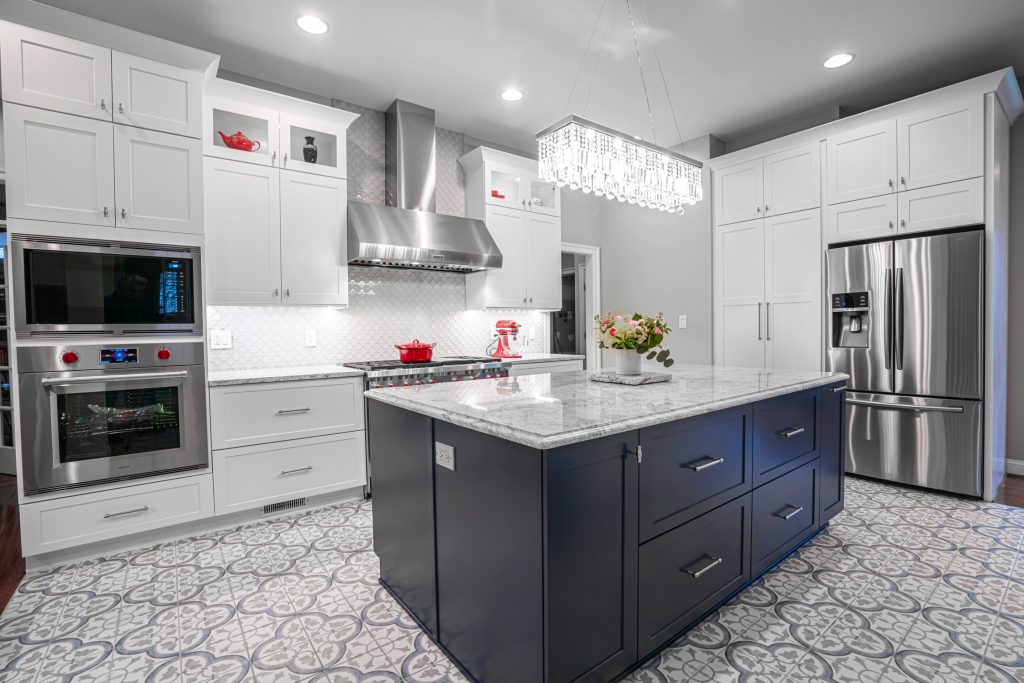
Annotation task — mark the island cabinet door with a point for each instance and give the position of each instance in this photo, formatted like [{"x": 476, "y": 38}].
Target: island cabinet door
[
  {"x": 785, "y": 513},
  {"x": 490, "y": 542},
  {"x": 692, "y": 466},
  {"x": 785, "y": 434},
  {"x": 591, "y": 549},
  {"x": 687, "y": 571},
  {"x": 831, "y": 421}
]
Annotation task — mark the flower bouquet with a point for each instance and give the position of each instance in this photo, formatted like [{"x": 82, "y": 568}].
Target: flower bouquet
[{"x": 633, "y": 336}]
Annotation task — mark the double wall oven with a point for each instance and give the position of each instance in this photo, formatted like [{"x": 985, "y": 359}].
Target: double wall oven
[{"x": 111, "y": 362}]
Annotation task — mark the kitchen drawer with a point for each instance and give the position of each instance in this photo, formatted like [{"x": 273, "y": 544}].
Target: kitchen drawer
[
  {"x": 691, "y": 466},
  {"x": 250, "y": 414},
  {"x": 785, "y": 512},
  {"x": 520, "y": 369},
  {"x": 254, "y": 476},
  {"x": 76, "y": 520},
  {"x": 784, "y": 430},
  {"x": 688, "y": 570}
]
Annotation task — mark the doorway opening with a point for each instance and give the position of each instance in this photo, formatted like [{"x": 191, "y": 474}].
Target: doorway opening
[{"x": 571, "y": 327}]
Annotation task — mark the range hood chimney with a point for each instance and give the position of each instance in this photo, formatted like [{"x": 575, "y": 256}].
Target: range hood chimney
[{"x": 406, "y": 233}]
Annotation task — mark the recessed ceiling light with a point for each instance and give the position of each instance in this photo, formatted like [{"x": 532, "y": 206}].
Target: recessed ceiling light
[
  {"x": 511, "y": 94},
  {"x": 310, "y": 23},
  {"x": 836, "y": 61}
]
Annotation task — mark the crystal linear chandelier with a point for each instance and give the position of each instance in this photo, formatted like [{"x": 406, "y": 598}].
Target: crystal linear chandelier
[{"x": 587, "y": 156}]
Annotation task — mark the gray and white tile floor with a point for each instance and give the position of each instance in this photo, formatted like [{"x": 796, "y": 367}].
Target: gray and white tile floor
[{"x": 903, "y": 586}]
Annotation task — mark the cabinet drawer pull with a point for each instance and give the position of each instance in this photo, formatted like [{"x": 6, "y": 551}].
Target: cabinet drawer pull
[
  {"x": 307, "y": 468},
  {"x": 708, "y": 562},
  {"x": 836, "y": 390},
  {"x": 788, "y": 433},
  {"x": 293, "y": 411},
  {"x": 707, "y": 462},
  {"x": 144, "y": 508},
  {"x": 789, "y": 515}
]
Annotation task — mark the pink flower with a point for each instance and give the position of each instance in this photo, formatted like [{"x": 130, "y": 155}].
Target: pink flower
[
  {"x": 605, "y": 322},
  {"x": 657, "y": 330},
  {"x": 618, "y": 317},
  {"x": 634, "y": 323},
  {"x": 611, "y": 331}
]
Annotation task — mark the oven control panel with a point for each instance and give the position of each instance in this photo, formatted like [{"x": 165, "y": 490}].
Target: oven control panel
[{"x": 118, "y": 356}]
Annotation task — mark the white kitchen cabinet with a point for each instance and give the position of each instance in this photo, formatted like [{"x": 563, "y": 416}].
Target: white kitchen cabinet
[
  {"x": 243, "y": 233},
  {"x": 792, "y": 291},
  {"x": 44, "y": 70},
  {"x": 792, "y": 180},
  {"x": 314, "y": 245},
  {"x": 543, "y": 261},
  {"x": 509, "y": 181},
  {"x": 861, "y": 163},
  {"x": 544, "y": 367},
  {"x": 863, "y": 219},
  {"x": 227, "y": 117},
  {"x": 739, "y": 294},
  {"x": 158, "y": 181},
  {"x": 59, "y": 167},
  {"x": 739, "y": 192},
  {"x": 942, "y": 144},
  {"x": 942, "y": 206},
  {"x": 157, "y": 96},
  {"x": 503, "y": 287},
  {"x": 326, "y": 136}
]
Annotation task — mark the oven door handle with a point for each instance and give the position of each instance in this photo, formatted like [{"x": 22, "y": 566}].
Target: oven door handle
[{"x": 58, "y": 381}]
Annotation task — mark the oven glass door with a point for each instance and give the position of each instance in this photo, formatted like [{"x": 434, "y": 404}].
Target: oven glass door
[{"x": 83, "y": 288}]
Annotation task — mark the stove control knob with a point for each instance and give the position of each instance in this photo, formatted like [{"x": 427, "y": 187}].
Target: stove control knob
[
  {"x": 163, "y": 354},
  {"x": 69, "y": 357}
]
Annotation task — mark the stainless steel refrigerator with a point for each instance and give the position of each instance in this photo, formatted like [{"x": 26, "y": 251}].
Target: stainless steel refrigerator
[{"x": 906, "y": 324}]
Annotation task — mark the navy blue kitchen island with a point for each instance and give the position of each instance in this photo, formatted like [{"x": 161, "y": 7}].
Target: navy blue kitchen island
[{"x": 548, "y": 528}]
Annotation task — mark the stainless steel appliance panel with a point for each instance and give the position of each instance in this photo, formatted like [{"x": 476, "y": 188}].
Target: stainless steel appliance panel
[
  {"x": 934, "y": 443},
  {"x": 939, "y": 298},
  {"x": 862, "y": 268}
]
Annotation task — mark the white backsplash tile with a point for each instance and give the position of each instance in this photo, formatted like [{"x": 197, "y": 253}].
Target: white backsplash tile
[{"x": 386, "y": 306}]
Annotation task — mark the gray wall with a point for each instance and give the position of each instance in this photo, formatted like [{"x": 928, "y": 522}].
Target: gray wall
[{"x": 1015, "y": 377}]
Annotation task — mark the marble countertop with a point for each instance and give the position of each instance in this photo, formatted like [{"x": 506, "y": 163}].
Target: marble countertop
[
  {"x": 551, "y": 410},
  {"x": 260, "y": 376}
]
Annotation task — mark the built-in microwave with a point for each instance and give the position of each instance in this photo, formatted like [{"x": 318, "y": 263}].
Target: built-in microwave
[{"x": 104, "y": 288}]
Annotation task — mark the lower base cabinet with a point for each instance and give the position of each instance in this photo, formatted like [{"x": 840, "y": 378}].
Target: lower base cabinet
[{"x": 785, "y": 513}]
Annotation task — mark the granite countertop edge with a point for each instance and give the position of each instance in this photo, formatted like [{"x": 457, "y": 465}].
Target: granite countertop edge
[
  {"x": 271, "y": 375},
  {"x": 533, "y": 440}
]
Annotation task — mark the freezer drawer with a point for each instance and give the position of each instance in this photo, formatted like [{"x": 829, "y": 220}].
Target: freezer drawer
[{"x": 934, "y": 443}]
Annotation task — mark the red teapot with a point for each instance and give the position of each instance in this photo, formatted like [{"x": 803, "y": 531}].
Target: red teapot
[{"x": 239, "y": 141}]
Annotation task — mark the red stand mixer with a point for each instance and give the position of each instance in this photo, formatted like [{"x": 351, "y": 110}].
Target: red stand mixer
[{"x": 508, "y": 340}]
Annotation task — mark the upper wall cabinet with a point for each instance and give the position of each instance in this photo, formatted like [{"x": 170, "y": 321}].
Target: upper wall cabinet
[
  {"x": 941, "y": 145},
  {"x": 153, "y": 95},
  {"x": 158, "y": 181},
  {"x": 241, "y": 131},
  {"x": 861, "y": 163},
  {"x": 313, "y": 145},
  {"x": 781, "y": 183},
  {"x": 739, "y": 192},
  {"x": 314, "y": 245}
]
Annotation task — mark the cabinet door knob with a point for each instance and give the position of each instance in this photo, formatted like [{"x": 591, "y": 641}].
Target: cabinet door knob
[
  {"x": 903, "y": 181},
  {"x": 891, "y": 224},
  {"x": 288, "y": 292},
  {"x": 273, "y": 158},
  {"x": 766, "y": 208},
  {"x": 275, "y": 292},
  {"x": 903, "y": 222},
  {"x": 759, "y": 209},
  {"x": 524, "y": 299},
  {"x": 103, "y": 104},
  {"x": 120, "y": 107},
  {"x": 890, "y": 182},
  {"x": 106, "y": 212},
  {"x": 124, "y": 214},
  {"x": 286, "y": 158},
  {"x": 531, "y": 299}
]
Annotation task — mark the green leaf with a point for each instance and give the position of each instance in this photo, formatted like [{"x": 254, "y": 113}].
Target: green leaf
[
  {"x": 651, "y": 355},
  {"x": 663, "y": 355},
  {"x": 669, "y": 362}
]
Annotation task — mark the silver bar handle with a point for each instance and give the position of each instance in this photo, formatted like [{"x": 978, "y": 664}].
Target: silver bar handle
[
  {"x": 888, "y": 318},
  {"x": 905, "y": 406},
  {"x": 293, "y": 411},
  {"x": 836, "y": 390},
  {"x": 790, "y": 515},
  {"x": 789, "y": 433},
  {"x": 759, "y": 335},
  {"x": 768, "y": 321},
  {"x": 709, "y": 564},
  {"x": 307, "y": 468},
  {"x": 705, "y": 465},
  {"x": 144, "y": 508},
  {"x": 127, "y": 377},
  {"x": 899, "y": 319}
]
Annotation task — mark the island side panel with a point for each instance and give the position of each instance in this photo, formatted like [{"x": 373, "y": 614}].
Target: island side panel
[
  {"x": 490, "y": 590},
  {"x": 833, "y": 464},
  {"x": 401, "y": 445},
  {"x": 591, "y": 505}
]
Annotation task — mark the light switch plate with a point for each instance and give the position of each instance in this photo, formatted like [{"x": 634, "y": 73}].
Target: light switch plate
[
  {"x": 220, "y": 339},
  {"x": 682, "y": 322},
  {"x": 444, "y": 455},
  {"x": 310, "y": 336}
]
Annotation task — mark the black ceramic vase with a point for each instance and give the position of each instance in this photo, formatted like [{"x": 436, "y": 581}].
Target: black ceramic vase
[{"x": 309, "y": 150}]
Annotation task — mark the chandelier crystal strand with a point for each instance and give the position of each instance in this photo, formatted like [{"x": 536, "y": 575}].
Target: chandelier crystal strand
[{"x": 582, "y": 155}]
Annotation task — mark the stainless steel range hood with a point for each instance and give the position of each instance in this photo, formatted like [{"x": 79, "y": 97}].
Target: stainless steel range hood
[{"x": 406, "y": 233}]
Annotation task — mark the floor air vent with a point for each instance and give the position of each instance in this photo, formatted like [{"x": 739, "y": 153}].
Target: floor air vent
[{"x": 286, "y": 505}]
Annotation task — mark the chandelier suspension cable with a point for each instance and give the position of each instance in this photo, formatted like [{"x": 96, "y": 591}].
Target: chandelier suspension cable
[
  {"x": 640, "y": 63},
  {"x": 583, "y": 61},
  {"x": 600, "y": 51},
  {"x": 664, "y": 83}
]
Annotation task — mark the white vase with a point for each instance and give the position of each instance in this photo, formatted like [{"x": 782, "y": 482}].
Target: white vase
[{"x": 627, "y": 362}]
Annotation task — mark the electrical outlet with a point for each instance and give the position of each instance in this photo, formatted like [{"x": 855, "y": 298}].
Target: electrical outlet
[
  {"x": 310, "y": 336},
  {"x": 444, "y": 455},
  {"x": 682, "y": 322},
  {"x": 220, "y": 339}
]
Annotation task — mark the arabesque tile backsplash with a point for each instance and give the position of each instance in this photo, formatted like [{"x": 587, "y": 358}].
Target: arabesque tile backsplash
[{"x": 386, "y": 306}]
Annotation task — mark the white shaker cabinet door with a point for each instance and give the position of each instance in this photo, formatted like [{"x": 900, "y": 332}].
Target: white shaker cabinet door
[
  {"x": 504, "y": 287},
  {"x": 792, "y": 180},
  {"x": 739, "y": 192},
  {"x": 861, "y": 163},
  {"x": 243, "y": 233},
  {"x": 950, "y": 205},
  {"x": 863, "y": 219},
  {"x": 314, "y": 145},
  {"x": 157, "y": 96},
  {"x": 59, "y": 167},
  {"x": 543, "y": 261},
  {"x": 158, "y": 181},
  {"x": 942, "y": 144},
  {"x": 41, "y": 69},
  {"x": 314, "y": 246},
  {"x": 739, "y": 294},
  {"x": 793, "y": 286}
]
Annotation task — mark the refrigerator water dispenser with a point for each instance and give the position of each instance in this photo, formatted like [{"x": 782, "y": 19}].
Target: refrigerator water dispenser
[{"x": 851, "y": 320}]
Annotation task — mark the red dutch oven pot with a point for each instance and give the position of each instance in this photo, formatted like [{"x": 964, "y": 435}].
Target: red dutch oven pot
[{"x": 416, "y": 352}]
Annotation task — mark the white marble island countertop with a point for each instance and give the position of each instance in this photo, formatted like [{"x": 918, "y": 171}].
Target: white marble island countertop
[
  {"x": 295, "y": 374},
  {"x": 551, "y": 410}
]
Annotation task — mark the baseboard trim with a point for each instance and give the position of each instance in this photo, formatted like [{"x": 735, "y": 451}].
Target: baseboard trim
[{"x": 1015, "y": 467}]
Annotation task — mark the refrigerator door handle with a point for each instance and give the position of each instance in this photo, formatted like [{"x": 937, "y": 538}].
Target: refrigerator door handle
[
  {"x": 888, "y": 318},
  {"x": 899, "y": 319},
  {"x": 905, "y": 406}
]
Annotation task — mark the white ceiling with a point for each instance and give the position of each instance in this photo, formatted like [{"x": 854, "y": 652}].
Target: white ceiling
[{"x": 732, "y": 66}]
